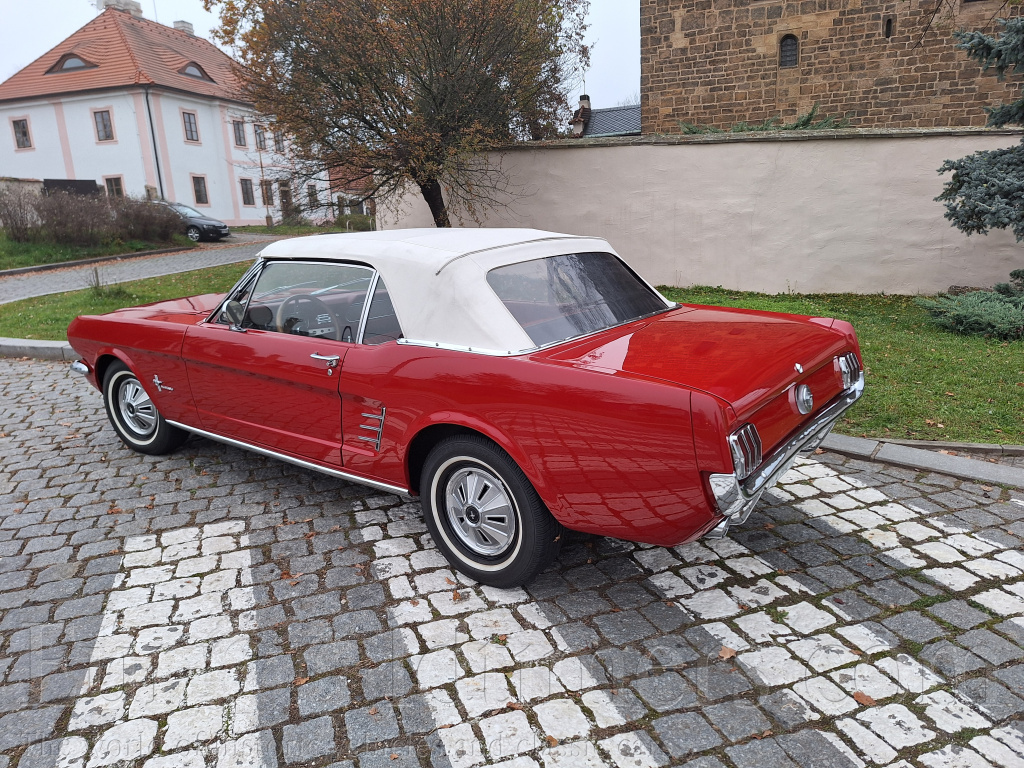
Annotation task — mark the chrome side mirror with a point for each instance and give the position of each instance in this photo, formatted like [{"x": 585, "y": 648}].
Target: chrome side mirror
[{"x": 234, "y": 312}]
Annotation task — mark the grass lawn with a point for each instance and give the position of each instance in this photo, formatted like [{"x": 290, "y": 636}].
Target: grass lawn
[
  {"x": 922, "y": 383},
  {"x": 47, "y": 317},
  {"x": 351, "y": 223},
  {"x": 14, "y": 255}
]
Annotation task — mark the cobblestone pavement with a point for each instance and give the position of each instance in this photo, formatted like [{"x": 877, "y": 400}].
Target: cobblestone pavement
[
  {"x": 26, "y": 286},
  {"x": 218, "y": 609}
]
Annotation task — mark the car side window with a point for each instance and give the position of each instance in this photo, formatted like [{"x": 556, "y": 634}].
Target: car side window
[
  {"x": 381, "y": 321},
  {"x": 309, "y": 299}
]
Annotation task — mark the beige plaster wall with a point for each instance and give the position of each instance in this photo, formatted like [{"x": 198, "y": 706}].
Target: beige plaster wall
[{"x": 824, "y": 215}]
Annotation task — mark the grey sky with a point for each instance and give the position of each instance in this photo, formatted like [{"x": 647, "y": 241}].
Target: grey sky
[{"x": 31, "y": 29}]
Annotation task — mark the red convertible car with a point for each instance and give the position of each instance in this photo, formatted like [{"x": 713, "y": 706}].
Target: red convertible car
[{"x": 518, "y": 381}]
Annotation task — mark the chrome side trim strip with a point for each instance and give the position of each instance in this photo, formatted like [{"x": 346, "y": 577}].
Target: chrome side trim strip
[
  {"x": 297, "y": 462},
  {"x": 460, "y": 348}
]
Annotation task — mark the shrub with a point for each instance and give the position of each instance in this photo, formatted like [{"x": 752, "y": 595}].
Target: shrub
[
  {"x": 71, "y": 219},
  {"x": 18, "y": 213},
  {"x": 994, "y": 314},
  {"x": 143, "y": 220}
]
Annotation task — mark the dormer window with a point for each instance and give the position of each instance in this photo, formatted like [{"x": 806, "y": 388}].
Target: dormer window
[
  {"x": 194, "y": 70},
  {"x": 70, "y": 63}
]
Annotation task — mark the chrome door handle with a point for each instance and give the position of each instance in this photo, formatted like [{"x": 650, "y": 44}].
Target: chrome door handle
[{"x": 331, "y": 360}]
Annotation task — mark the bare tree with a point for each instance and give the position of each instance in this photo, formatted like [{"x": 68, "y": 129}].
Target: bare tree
[{"x": 410, "y": 91}]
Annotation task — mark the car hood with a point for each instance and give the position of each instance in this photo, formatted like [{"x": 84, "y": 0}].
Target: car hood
[
  {"x": 185, "y": 308},
  {"x": 205, "y": 220},
  {"x": 744, "y": 357}
]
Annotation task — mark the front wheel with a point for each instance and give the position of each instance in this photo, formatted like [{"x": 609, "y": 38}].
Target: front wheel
[
  {"x": 194, "y": 234},
  {"x": 134, "y": 415},
  {"x": 484, "y": 514}
]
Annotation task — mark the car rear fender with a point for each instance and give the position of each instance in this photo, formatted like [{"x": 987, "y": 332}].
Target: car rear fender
[{"x": 430, "y": 428}]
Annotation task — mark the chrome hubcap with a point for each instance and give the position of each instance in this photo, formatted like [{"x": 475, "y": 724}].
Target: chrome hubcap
[
  {"x": 137, "y": 410},
  {"x": 480, "y": 511}
]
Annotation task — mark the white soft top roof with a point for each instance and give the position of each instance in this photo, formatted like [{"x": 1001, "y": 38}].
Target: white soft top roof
[{"x": 437, "y": 278}]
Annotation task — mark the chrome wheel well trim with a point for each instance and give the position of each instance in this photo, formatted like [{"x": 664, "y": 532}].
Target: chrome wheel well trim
[{"x": 291, "y": 459}]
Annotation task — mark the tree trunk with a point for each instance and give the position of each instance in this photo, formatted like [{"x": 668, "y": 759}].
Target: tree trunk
[{"x": 431, "y": 190}]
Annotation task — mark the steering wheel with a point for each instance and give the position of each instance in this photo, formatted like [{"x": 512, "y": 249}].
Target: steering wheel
[{"x": 306, "y": 315}]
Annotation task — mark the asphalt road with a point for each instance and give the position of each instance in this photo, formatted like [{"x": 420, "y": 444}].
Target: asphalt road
[
  {"x": 26, "y": 286},
  {"x": 219, "y": 609}
]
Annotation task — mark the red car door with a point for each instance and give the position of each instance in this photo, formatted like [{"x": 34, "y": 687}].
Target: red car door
[
  {"x": 274, "y": 389},
  {"x": 266, "y": 370}
]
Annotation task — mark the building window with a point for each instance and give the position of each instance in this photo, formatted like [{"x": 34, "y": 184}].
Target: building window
[
  {"x": 285, "y": 190},
  {"x": 70, "y": 63},
  {"x": 247, "y": 196},
  {"x": 104, "y": 128},
  {"x": 279, "y": 141},
  {"x": 888, "y": 26},
  {"x": 199, "y": 189},
  {"x": 21, "y": 136},
  {"x": 267, "y": 190},
  {"x": 239, "y": 127},
  {"x": 194, "y": 70},
  {"x": 261, "y": 137},
  {"x": 191, "y": 126},
  {"x": 789, "y": 51},
  {"x": 115, "y": 186},
  {"x": 314, "y": 201}
]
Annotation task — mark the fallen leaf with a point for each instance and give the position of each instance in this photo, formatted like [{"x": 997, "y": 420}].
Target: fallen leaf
[
  {"x": 448, "y": 581},
  {"x": 551, "y": 740},
  {"x": 726, "y": 652},
  {"x": 930, "y": 422},
  {"x": 414, "y": 603},
  {"x": 294, "y": 582},
  {"x": 986, "y": 487},
  {"x": 951, "y": 394},
  {"x": 394, "y": 756},
  {"x": 373, "y": 710},
  {"x": 514, "y": 705},
  {"x": 301, "y": 680},
  {"x": 456, "y": 596},
  {"x": 862, "y": 698},
  {"x": 818, "y": 452},
  {"x": 769, "y": 526}
]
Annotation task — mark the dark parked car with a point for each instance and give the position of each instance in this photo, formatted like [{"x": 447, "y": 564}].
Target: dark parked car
[{"x": 199, "y": 226}]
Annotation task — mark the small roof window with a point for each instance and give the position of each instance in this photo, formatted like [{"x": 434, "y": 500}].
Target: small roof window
[
  {"x": 194, "y": 70},
  {"x": 70, "y": 63}
]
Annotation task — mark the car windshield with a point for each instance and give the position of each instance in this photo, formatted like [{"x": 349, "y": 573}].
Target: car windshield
[
  {"x": 561, "y": 297},
  {"x": 184, "y": 210}
]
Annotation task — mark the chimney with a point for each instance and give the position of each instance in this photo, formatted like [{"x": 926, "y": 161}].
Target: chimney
[
  {"x": 581, "y": 117},
  {"x": 128, "y": 6},
  {"x": 186, "y": 27}
]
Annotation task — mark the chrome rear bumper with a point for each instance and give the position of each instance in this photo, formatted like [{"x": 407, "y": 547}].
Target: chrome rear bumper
[
  {"x": 736, "y": 499},
  {"x": 80, "y": 368}
]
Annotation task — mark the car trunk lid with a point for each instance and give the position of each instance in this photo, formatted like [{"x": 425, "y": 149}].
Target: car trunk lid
[{"x": 749, "y": 359}]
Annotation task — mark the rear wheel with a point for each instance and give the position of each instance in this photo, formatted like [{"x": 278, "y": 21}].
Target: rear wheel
[
  {"x": 134, "y": 415},
  {"x": 484, "y": 514}
]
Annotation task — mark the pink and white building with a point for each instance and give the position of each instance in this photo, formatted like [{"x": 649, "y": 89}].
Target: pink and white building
[{"x": 149, "y": 110}]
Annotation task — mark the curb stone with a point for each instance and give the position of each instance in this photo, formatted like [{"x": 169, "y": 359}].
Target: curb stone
[
  {"x": 87, "y": 262},
  {"x": 37, "y": 348},
  {"x": 928, "y": 461}
]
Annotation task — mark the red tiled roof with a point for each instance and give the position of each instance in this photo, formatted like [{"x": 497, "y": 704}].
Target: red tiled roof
[{"x": 127, "y": 51}]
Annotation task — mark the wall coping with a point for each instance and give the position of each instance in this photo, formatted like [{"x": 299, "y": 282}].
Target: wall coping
[{"x": 653, "y": 139}]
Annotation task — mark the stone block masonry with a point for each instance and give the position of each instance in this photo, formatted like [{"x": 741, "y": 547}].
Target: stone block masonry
[{"x": 878, "y": 62}]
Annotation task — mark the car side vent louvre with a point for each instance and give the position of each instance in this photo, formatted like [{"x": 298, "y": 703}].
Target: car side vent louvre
[
  {"x": 849, "y": 368},
  {"x": 376, "y": 428},
  {"x": 745, "y": 445}
]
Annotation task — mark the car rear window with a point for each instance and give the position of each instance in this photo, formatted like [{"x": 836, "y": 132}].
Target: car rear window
[{"x": 561, "y": 297}]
